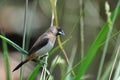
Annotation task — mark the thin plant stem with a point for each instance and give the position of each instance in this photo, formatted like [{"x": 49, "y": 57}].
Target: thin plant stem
[
  {"x": 24, "y": 37},
  {"x": 55, "y": 22},
  {"x": 95, "y": 45},
  {"x": 117, "y": 71},
  {"x": 72, "y": 57},
  {"x": 29, "y": 31},
  {"x": 107, "y": 40},
  {"x": 44, "y": 70},
  {"x": 81, "y": 29},
  {"x": 54, "y": 13},
  {"x": 116, "y": 56}
]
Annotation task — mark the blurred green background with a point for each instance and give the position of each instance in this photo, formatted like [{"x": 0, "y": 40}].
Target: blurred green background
[{"x": 71, "y": 15}]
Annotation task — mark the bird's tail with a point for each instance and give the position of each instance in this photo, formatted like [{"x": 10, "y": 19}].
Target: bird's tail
[{"x": 19, "y": 65}]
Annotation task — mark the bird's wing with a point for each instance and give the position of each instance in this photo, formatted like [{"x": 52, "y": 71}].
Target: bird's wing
[{"x": 38, "y": 45}]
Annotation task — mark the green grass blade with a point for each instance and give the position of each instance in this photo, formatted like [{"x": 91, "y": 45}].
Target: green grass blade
[
  {"x": 95, "y": 46},
  {"x": 108, "y": 13},
  {"x": 117, "y": 72},
  {"x": 34, "y": 73},
  {"x": 91, "y": 53},
  {"x": 72, "y": 58},
  {"x": 106, "y": 72},
  {"x": 14, "y": 45},
  {"x": 6, "y": 60},
  {"x": 58, "y": 47}
]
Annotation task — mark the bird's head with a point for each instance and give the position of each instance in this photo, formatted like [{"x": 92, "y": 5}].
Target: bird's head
[
  {"x": 60, "y": 31},
  {"x": 56, "y": 30}
]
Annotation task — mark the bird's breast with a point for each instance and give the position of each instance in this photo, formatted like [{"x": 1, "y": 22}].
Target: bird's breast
[{"x": 45, "y": 49}]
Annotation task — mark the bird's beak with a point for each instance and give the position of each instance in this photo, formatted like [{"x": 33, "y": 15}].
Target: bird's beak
[{"x": 61, "y": 33}]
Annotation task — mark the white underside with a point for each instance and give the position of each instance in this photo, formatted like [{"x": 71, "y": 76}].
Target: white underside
[{"x": 45, "y": 49}]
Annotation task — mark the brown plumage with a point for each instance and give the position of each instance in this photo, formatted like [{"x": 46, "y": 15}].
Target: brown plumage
[{"x": 43, "y": 45}]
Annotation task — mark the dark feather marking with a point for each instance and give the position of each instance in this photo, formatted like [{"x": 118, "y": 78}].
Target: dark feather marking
[{"x": 39, "y": 45}]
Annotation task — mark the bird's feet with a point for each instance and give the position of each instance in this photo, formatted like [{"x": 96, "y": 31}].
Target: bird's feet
[{"x": 41, "y": 59}]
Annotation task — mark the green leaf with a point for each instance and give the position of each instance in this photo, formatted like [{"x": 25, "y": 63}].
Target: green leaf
[
  {"x": 34, "y": 73},
  {"x": 14, "y": 45},
  {"x": 6, "y": 60},
  {"x": 96, "y": 45}
]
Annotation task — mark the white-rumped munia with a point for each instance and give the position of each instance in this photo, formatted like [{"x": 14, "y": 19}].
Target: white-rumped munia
[{"x": 43, "y": 45}]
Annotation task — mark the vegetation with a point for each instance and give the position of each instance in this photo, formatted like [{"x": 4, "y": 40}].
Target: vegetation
[{"x": 73, "y": 67}]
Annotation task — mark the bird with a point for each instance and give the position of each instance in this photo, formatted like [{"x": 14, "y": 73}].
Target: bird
[{"x": 42, "y": 45}]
